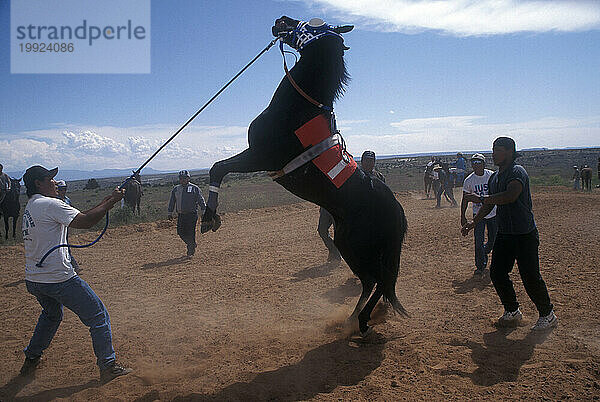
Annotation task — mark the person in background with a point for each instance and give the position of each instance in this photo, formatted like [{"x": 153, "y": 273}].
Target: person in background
[
  {"x": 461, "y": 168},
  {"x": 576, "y": 177},
  {"x": 446, "y": 185},
  {"x": 598, "y": 185},
  {"x": 55, "y": 283},
  {"x": 62, "y": 191},
  {"x": 62, "y": 195},
  {"x": 436, "y": 184},
  {"x": 517, "y": 239},
  {"x": 477, "y": 183},
  {"x": 599, "y": 168},
  {"x": 325, "y": 222},
  {"x": 367, "y": 162},
  {"x": 185, "y": 199},
  {"x": 367, "y": 165},
  {"x": 428, "y": 176},
  {"x": 4, "y": 183}
]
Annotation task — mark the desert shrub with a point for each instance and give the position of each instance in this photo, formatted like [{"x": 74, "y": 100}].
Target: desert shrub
[
  {"x": 121, "y": 216},
  {"x": 91, "y": 184},
  {"x": 552, "y": 180}
]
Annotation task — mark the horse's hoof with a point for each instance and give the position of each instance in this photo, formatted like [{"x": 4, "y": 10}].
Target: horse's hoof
[
  {"x": 206, "y": 226},
  {"x": 366, "y": 333},
  {"x": 216, "y": 223}
]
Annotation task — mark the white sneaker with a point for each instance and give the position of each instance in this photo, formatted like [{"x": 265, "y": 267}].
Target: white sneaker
[
  {"x": 546, "y": 322},
  {"x": 510, "y": 318}
]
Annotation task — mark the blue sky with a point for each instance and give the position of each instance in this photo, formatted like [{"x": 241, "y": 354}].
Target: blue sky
[{"x": 427, "y": 76}]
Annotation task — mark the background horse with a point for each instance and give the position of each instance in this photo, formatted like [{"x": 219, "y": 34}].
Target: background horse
[
  {"x": 133, "y": 193},
  {"x": 11, "y": 206},
  {"x": 586, "y": 178},
  {"x": 369, "y": 222}
]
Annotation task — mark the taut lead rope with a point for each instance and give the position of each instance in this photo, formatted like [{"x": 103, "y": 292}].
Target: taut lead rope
[{"x": 39, "y": 264}]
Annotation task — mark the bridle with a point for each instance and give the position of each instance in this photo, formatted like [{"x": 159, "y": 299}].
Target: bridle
[
  {"x": 297, "y": 87},
  {"x": 336, "y": 137}
]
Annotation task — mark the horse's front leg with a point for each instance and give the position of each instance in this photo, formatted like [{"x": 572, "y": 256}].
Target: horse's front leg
[{"x": 250, "y": 160}]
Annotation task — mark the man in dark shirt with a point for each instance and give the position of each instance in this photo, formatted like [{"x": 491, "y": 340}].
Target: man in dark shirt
[
  {"x": 185, "y": 199},
  {"x": 367, "y": 165},
  {"x": 517, "y": 237}
]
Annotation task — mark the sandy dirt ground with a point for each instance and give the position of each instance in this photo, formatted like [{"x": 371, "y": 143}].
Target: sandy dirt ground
[{"x": 257, "y": 315}]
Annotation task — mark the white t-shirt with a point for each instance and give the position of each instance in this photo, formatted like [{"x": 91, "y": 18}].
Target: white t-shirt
[
  {"x": 479, "y": 185},
  {"x": 45, "y": 223}
]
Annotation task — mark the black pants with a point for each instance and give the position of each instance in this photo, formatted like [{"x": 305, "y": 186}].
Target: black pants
[
  {"x": 524, "y": 249},
  {"x": 325, "y": 222},
  {"x": 186, "y": 229}
]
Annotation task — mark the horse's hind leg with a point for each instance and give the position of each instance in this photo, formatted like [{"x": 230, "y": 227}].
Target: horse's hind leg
[
  {"x": 365, "y": 315},
  {"x": 6, "y": 226},
  {"x": 250, "y": 160},
  {"x": 367, "y": 288}
]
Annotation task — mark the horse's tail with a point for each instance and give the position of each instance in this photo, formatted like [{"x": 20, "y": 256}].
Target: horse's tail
[{"x": 391, "y": 260}]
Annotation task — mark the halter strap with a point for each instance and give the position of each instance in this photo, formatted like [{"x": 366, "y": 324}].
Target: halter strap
[{"x": 297, "y": 87}]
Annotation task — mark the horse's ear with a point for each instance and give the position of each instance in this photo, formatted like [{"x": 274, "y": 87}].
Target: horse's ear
[{"x": 343, "y": 29}]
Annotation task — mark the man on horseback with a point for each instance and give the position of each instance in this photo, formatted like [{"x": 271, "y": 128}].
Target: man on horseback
[
  {"x": 517, "y": 238},
  {"x": 185, "y": 199}
]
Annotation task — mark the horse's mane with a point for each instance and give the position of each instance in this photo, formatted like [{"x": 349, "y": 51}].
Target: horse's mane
[{"x": 327, "y": 56}]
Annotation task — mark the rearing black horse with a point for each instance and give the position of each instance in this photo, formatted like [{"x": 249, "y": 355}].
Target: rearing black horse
[{"x": 369, "y": 222}]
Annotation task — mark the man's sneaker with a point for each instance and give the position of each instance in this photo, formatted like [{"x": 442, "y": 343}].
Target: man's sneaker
[
  {"x": 113, "y": 371},
  {"x": 29, "y": 365},
  {"x": 546, "y": 322},
  {"x": 510, "y": 319}
]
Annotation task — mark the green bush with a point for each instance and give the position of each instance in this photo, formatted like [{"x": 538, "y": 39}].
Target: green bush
[{"x": 552, "y": 180}]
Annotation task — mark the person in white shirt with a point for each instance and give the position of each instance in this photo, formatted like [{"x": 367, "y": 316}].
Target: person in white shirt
[
  {"x": 477, "y": 183},
  {"x": 62, "y": 194},
  {"x": 55, "y": 283}
]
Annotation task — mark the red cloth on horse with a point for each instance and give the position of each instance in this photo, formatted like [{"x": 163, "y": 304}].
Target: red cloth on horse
[{"x": 337, "y": 164}]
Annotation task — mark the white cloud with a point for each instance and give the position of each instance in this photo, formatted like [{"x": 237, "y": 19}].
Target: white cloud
[
  {"x": 91, "y": 143},
  {"x": 128, "y": 147},
  {"x": 90, "y": 147},
  {"x": 468, "y": 17}
]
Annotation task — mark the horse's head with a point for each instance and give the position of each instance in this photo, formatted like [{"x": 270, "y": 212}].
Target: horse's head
[
  {"x": 299, "y": 34},
  {"x": 15, "y": 185}
]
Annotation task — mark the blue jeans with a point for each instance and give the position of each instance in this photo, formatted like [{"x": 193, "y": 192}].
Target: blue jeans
[
  {"x": 78, "y": 297},
  {"x": 483, "y": 249}
]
